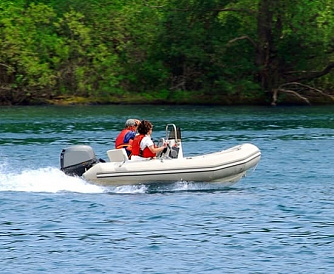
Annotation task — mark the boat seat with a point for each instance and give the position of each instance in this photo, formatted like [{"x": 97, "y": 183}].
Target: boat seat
[{"x": 117, "y": 155}]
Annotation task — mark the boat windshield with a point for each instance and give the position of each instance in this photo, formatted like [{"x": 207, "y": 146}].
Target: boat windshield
[{"x": 173, "y": 132}]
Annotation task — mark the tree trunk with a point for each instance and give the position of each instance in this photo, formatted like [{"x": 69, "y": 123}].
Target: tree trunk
[{"x": 266, "y": 54}]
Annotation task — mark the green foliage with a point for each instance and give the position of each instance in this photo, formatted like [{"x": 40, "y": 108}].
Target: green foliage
[
  {"x": 161, "y": 49},
  {"x": 25, "y": 48}
]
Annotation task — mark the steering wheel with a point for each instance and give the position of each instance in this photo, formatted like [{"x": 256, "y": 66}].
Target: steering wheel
[{"x": 160, "y": 154}]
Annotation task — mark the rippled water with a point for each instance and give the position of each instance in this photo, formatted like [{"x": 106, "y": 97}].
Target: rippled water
[{"x": 277, "y": 220}]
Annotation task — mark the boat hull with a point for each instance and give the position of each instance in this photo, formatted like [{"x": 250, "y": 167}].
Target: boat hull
[{"x": 227, "y": 166}]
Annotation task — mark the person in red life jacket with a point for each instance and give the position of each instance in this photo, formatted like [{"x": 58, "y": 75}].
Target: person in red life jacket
[
  {"x": 126, "y": 136},
  {"x": 143, "y": 146}
]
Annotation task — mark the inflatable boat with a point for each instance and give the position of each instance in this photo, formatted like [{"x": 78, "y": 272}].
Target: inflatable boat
[{"x": 225, "y": 166}]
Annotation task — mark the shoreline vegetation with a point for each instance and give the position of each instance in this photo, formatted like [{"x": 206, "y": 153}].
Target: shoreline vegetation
[
  {"x": 176, "y": 98},
  {"x": 243, "y": 52},
  {"x": 199, "y": 99},
  {"x": 186, "y": 99}
]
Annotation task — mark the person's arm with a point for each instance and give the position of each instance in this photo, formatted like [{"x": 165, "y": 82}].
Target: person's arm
[
  {"x": 129, "y": 136},
  {"x": 147, "y": 141},
  {"x": 157, "y": 149}
]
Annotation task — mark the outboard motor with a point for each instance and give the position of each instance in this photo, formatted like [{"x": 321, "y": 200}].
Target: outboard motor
[{"x": 77, "y": 159}]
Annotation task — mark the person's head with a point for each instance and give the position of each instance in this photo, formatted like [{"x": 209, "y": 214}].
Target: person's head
[
  {"x": 145, "y": 127},
  {"x": 131, "y": 124}
]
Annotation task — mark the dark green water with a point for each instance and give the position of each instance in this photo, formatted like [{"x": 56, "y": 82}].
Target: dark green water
[{"x": 277, "y": 220}]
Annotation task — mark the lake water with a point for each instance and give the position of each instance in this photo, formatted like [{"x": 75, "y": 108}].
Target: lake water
[{"x": 277, "y": 220}]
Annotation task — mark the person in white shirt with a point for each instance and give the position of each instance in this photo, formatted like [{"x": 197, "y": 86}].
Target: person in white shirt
[{"x": 143, "y": 145}]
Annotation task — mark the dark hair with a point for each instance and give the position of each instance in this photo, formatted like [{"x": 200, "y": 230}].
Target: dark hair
[{"x": 144, "y": 127}]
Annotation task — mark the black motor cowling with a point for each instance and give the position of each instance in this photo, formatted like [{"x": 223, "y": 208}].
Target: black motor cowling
[{"x": 77, "y": 159}]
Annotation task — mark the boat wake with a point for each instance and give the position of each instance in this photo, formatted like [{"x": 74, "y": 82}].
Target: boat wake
[
  {"x": 47, "y": 179},
  {"x": 52, "y": 180}
]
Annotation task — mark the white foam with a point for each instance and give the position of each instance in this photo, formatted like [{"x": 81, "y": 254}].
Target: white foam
[
  {"x": 192, "y": 186},
  {"x": 129, "y": 189},
  {"x": 47, "y": 179}
]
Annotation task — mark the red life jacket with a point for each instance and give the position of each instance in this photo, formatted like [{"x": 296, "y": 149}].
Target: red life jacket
[
  {"x": 146, "y": 153},
  {"x": 120, "y": 138}
]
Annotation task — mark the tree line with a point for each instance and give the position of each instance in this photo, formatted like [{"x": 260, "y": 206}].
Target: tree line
[{"x": 222, "y": 51}]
